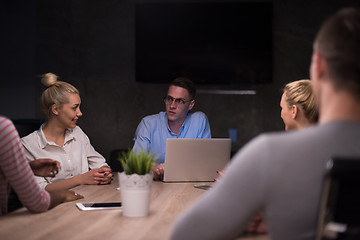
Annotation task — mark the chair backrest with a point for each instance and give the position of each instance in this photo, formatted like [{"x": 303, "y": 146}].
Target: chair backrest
[
  {"x": 27, "y": 126},
  {"x": 339, "y": 215},
  {"x": 114, "y": 163}
]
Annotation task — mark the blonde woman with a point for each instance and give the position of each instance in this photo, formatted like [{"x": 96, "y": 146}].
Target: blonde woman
[
  {"x": 61, "y": 139},
  {"x": 298, "y": 107},
  {"x": 298, "y": 111}
]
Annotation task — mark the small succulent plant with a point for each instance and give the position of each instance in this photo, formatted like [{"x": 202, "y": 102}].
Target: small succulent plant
[{"x": 137, "y": 162}]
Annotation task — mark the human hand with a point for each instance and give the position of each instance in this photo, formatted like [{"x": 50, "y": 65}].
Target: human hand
[
  {"x": 61, "y": 196},
  {"x": 71, "y": 196},
  {"x": 158, "y": 171},
  {"x": 257, "y": 225},
  {"x": 45, "y": 167},
  {"x": 98, "y": 176},
  {"x": 107, "y": 175}
]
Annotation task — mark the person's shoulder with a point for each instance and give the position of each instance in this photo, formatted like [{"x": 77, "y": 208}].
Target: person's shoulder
[
  {"x": 153, "y": 117},
  {"x": 267, "y": 142},
  {"x": 289, "y": 138},
  {"x": 198, "y": 115},
  {"x": 6, "y": 125},
  {"x": 31, "y": 140},
  {"x": 31, "y": 137},
  {"x": 4, "y": 121},
  {"x": 277, "y": 135}
]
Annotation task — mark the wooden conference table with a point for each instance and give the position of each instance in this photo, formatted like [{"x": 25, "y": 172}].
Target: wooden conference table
[{"x": 66, "y": 221}]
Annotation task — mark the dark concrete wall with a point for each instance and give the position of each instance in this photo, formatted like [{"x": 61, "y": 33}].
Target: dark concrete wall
[{"x": 91, "y": 44}]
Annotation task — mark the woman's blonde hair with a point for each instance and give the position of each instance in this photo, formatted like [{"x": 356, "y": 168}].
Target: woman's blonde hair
[
  {"x": 55, "y": 92},
  {"x": 300, "y": 93}
]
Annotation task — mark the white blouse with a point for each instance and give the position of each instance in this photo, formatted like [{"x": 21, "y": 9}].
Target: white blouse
[{"x": 76, "y": 156}]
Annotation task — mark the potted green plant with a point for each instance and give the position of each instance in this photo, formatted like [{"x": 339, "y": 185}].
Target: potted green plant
[{"x": 135, "y": 182}]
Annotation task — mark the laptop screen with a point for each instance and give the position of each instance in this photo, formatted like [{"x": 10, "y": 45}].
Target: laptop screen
[{"x": 193, "y": 160}]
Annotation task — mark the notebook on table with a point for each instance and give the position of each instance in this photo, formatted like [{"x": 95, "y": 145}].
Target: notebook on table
[{"x": 195, "y": 159}]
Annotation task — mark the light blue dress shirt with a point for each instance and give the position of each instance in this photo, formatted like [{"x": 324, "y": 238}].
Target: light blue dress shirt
[{"x": 153, "y": 130}]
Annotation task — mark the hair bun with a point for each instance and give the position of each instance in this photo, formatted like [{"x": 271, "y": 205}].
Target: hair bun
[{"x": 48, "y": 79}]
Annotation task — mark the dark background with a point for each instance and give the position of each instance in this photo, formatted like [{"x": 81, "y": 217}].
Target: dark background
[
  {"x": 223, "y": 43},
  {"x": 91, "y": 44}
]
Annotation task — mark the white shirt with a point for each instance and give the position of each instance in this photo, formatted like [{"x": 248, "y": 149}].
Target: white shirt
[{"x": 76, "y": 156}]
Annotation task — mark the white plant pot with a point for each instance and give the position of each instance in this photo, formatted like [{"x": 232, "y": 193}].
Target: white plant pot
[{"x": 135, "y": 194}]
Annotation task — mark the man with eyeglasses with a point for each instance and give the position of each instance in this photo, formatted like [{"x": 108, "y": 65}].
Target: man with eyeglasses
[{"x": 176, "y": 122}]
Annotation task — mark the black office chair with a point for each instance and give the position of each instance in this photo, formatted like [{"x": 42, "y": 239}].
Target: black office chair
[
  {"x": 339, "y": 215},
  {"x": 27, "y": 126},
  {"x": 114, "y": 163}
]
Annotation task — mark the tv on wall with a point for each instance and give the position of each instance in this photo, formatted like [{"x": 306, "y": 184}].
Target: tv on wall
[{"x": 226, "y": 43}]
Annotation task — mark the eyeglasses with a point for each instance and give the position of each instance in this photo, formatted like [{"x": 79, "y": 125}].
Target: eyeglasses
[{"x": 170, "y": 100}]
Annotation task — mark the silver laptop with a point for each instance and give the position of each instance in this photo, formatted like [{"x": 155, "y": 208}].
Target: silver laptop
[{"x": 195, "y": 159}]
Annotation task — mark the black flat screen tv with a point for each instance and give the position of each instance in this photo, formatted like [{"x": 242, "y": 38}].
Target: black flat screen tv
[{"x": 225, "y": 43}]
